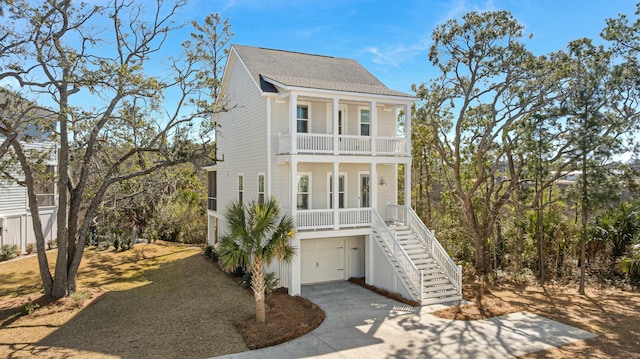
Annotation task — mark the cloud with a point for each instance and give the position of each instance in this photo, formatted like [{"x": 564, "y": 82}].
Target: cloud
[
  {"x": 461, "y": 7},
  {"x": 396, "y": 54}
]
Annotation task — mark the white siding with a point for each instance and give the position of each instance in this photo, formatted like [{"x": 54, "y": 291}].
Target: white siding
[
  {"x": 14, "y": 207},
  {"x": 241, "y": 139}
]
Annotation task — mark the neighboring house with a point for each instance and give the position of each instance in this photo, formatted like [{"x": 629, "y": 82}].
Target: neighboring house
[
  {"x": 16, "y": 226},
  {"x": 321, "y": 135}
]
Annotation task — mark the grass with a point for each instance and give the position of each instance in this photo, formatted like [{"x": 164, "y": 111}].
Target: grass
[
  {"x": 157, "y": 300},
  {"x": 153, "y": 301}
]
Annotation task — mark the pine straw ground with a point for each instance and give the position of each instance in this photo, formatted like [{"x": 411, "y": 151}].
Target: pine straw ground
[
  {"x": 612, "y": 314},
  {"x": 154, "y": 301}
]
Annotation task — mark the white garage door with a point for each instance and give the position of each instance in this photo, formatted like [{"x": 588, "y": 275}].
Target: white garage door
[{"x": 322, "y": 260}]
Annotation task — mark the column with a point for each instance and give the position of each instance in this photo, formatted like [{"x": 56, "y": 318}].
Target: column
[
  {"x": 293, "y": 122},
  {"x": 374, "y": 128},
  {"x": 294, "y": 267},
  {"x": 336, "y": 142},
  {"x": 374, "y": 186},
  {"x": 335, "y": 195},
  {"x": 407, "y": 169},
  {"x": 407, "y": 184},
  {"x": 407, "y": 128}
]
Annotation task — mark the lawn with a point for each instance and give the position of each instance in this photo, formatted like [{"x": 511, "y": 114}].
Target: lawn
[{"x": 156, "y": 300}]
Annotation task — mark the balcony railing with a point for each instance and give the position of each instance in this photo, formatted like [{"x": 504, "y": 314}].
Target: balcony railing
[
  {"x": 312, "y": 219},
  {"x": 313, "y": 143}
]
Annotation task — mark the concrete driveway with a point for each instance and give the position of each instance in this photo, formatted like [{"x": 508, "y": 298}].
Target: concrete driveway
[{"x": 362, "y": 324}]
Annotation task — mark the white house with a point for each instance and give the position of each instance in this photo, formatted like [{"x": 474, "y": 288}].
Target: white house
[
  {"x": 322, "y": 135},
  {"x": 16, "y": 226}
]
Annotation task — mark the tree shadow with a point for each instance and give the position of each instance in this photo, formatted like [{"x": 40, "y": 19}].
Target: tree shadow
[{"x": 187, "y": 309}]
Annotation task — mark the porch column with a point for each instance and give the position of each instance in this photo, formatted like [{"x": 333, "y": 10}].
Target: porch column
[
  {"x": 269, "y": 144},
  {"x": 293, "y": 122},
  {"x": 407, "y": 128},
  {"x": 373, "y": 186},
  {"x": 335, "y": 195},
  {"x": 336, "y": 142},
  {"x": 407, "y": 169},
  {"x": 374, "y": 126},
  {"x": 294, "y": 267},
  {"x": 407, "y": 184}
]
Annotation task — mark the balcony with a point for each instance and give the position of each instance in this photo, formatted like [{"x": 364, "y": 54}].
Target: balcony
[
  {"x": 313, "y": 219},
  {"x": 313, "y": 143}
]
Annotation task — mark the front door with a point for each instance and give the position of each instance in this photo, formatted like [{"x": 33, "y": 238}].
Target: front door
[
  {"x": 356, "y": 257},
  {"x": 365, "y": 190}
]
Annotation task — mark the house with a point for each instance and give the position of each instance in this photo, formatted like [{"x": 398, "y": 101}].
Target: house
[
  {"x": 16, "y": 226},
  {"x": 322, "y": 135}
]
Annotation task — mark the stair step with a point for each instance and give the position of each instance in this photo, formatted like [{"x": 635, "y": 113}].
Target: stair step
[
  {"x": 447, "y": 293},
  {"x": 433, "y": 282}
]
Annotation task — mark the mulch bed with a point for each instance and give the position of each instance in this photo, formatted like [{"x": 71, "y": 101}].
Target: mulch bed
[
  {"x": 288, "y": 317},
  {"x": 383, "y": 292}
]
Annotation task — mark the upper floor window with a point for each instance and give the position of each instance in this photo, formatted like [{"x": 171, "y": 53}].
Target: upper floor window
[
  {"x": 303, "y": 190},
  {"x": 365, "y": 121},
  {"x": 303, "y": 118},
  {"x": 240, "y": 187},
  {"x": 260, "y": 188}
]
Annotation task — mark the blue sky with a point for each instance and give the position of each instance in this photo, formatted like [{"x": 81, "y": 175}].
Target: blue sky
[{"x": 391, "y": 38}]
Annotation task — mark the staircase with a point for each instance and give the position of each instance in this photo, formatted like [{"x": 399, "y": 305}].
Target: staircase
[
  {"x": 428, "y": 272},
  {"x": 437, "y": 287}
]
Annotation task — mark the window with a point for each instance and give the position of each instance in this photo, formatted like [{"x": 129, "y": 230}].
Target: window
[
  {"x": 45, "y": 187},
  {"x": 365, "y": 122},
  {"x": 341, "y": 191},
  {"x": 303, "y": 118},
  {"x": 240, "y": 187},
  {"x": 303, "y": 188},
  {"x": 212, "y": 190},
  {"x": 260, "y": 188}
]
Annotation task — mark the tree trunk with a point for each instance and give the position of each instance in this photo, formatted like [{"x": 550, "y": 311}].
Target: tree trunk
[
  {"x": 257, "y": 284},
  {"x": 43, "y": 262},
  {"x": 583, "y": 236}
]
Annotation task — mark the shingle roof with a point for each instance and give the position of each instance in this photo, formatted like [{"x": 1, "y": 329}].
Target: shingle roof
[{"x": 310, "y": 71}]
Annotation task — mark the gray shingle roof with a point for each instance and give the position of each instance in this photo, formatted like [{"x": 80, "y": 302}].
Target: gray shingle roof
[{"x": 310, "y": 71}]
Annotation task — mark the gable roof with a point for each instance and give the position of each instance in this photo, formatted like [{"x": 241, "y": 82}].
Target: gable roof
[{"x": 295, "y": 69}]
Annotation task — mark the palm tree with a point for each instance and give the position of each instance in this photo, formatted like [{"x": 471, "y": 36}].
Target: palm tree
[{"x": 257, "y": 235}]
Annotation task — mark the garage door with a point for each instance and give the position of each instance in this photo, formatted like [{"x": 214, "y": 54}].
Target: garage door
[{"x": 322, "y": 260}]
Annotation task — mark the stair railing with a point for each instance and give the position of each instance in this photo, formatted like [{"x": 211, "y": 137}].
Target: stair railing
[
  {"x": 412, "y": 272},
  {"x": 451, "y": 269},
  {"x": 426, "y": 236}
]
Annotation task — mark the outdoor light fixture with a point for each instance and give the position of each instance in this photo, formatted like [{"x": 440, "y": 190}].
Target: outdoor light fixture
[{"x": 382, "y": 181}]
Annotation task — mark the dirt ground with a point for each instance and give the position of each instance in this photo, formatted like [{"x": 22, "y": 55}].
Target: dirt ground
[{"x": 612, "y": 314}]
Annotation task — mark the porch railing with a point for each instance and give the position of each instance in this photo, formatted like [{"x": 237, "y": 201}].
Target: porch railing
[
  {"x": 311, "y": 219},
  {"x": 316, "y": 143},
  {"x": 426, "y": 236}
]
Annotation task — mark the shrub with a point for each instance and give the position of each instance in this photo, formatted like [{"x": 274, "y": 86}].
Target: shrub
[
  {"x": 208, "y": 250},
  {"x": 29, "y": 308},
  {"x": 103, "y": 245},
  {"x": 30, "y": 248},
  {"x": 52, "y": 243},
  {"x": 8, "y": 251}
]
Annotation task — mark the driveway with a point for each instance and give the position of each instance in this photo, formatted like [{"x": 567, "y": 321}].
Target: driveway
[{"x": 362, "y": 324}]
